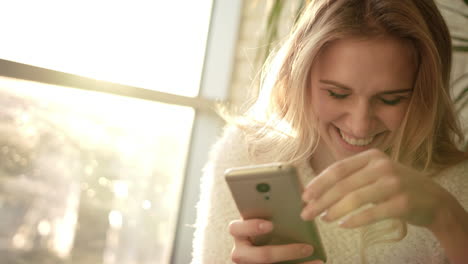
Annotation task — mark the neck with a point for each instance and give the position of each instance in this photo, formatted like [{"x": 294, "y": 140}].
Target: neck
[{"x": 321, "y": 158}]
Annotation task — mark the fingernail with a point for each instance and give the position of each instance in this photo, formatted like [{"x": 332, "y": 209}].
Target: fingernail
[
  {"x": 307, "y": 250},
  {"x": 266, "y": 226},
  {"x": 323, "y": 216},
  {"x": 343, "y": 223},
  {"x": 309, "y": 213}
]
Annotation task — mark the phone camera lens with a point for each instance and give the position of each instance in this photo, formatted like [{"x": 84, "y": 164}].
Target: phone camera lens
[{"x": 263, "y": 187}]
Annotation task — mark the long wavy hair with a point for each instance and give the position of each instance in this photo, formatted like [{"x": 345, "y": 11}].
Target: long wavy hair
[{"x": 280, "y": 125}]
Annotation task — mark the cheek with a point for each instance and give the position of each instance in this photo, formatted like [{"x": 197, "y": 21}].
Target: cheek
[
  {"x": 325, "y": 109},
  {"x": 393, "y": 117}
]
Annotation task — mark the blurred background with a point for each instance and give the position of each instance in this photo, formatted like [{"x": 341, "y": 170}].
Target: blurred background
[{"x": 107, "y": 114}]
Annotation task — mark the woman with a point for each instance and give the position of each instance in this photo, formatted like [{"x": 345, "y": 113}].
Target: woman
[{"x": 358, "y": 99}]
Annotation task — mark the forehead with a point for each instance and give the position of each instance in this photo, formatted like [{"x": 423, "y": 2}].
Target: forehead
[{"x": 379, "y": 63}]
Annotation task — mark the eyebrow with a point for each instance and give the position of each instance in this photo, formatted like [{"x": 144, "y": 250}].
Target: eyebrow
[{"x": 342, "y": 86}]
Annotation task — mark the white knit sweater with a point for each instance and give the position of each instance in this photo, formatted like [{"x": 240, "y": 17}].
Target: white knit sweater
[{"x": 212, "y": 242}]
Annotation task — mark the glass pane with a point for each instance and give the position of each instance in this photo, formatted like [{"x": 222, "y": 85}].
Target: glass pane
[
  {"x": 158, "y": 45},
  {"x": 87, "y": 177}
]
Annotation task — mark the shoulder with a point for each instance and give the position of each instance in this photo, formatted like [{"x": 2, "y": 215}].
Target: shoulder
[
  {"x": 231, "y": 148},
  {"x": 458, "y": 170},
  {"x": 455, "y": 180},
  {"x": 216, "y": 208}
]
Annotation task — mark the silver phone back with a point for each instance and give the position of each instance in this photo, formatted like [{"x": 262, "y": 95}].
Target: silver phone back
[{"x": 281, "y": 204}]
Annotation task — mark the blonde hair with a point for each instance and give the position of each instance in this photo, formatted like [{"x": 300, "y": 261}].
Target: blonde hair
[{"x": 280, "y": 125}]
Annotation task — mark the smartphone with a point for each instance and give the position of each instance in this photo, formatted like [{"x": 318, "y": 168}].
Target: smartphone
[{"x": 273, "y": 192}]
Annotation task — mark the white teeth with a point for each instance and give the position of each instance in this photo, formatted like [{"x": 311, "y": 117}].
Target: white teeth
[{"x": 356, "y": 142}]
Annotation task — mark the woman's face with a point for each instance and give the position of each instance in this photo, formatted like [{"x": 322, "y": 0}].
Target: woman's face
[{"x": 361, "y": 89}]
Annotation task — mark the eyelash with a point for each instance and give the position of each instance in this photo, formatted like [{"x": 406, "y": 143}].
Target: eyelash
[
  {"x": 387, "y": 102},
  {"x": 392, "y": 102},
  {"x": 337, "y": 96}
]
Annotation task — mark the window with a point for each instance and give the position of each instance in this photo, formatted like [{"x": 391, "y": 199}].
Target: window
[
  {"x": 147, "y": 44},
  {"x": 107, "y": 117}
]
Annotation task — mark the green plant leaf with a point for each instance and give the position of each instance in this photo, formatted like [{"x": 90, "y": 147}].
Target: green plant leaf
[
  {"x": 271, "y": 31},
  {"x": 460, "y": 48}
]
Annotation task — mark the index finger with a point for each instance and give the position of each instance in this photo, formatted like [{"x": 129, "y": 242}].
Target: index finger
[{"x": 336, "y": 172}]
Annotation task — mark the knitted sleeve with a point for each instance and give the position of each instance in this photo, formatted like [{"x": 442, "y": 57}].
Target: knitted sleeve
[
  {"x": 455, "y": 180},
  {"x": 216, "y": 209}
]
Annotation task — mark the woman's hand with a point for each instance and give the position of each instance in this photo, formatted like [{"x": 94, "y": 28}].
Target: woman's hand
[
  {"x": 370, "y": 177},
  {"x": 244, "y": 252}
]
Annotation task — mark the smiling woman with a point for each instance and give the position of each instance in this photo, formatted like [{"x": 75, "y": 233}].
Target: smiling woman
[{"x": 357, "y": 97}]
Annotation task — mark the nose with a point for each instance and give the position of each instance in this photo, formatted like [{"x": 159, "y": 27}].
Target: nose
[{"x": 361, "y": 117}]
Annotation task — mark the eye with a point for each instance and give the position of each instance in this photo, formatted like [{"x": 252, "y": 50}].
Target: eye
[
  {"x": 392, "y": 102},
  {"x": 337, "y": 95}
]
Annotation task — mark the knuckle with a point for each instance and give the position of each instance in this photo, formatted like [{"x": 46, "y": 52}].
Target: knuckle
[
  {"x": 403, "y": 202},
  {"x": 255, "y": 222},
  {"x": 341, "y": 187},
  {"x": 384, "y": 165},
  {"x": 265, "y": 256},
  {"x": 339, "y": 170},
  {"x": 369, "y": 214},
  {"x": 355, "y": 199},
  {"x": 394, "y": 183},
  {"x": 376, "y": 153}
]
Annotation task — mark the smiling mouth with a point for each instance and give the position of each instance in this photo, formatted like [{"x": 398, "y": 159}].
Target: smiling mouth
[{"x": 361, "y": 142}]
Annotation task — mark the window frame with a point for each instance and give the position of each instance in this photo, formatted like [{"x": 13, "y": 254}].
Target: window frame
[
  {"x": 216, "y": 83},
  {"x": 207, "y": 126}
]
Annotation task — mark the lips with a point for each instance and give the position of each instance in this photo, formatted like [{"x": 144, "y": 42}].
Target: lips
[{"x": 356, "y": 144}]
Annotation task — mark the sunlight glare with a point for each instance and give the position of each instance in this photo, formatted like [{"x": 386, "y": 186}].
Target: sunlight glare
[
  {"x": 121, "y": 189},
  {"x": 115, "y": 219},
  {"x": 136, "y": 43},
  {"x": 146, "y": 205},
  {"x": 44, "y": 228}
]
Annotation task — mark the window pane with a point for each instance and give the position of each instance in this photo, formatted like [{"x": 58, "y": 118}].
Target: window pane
[
  {"x": 101, "y": 170},
  {"x": 158, "y": 45}
]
